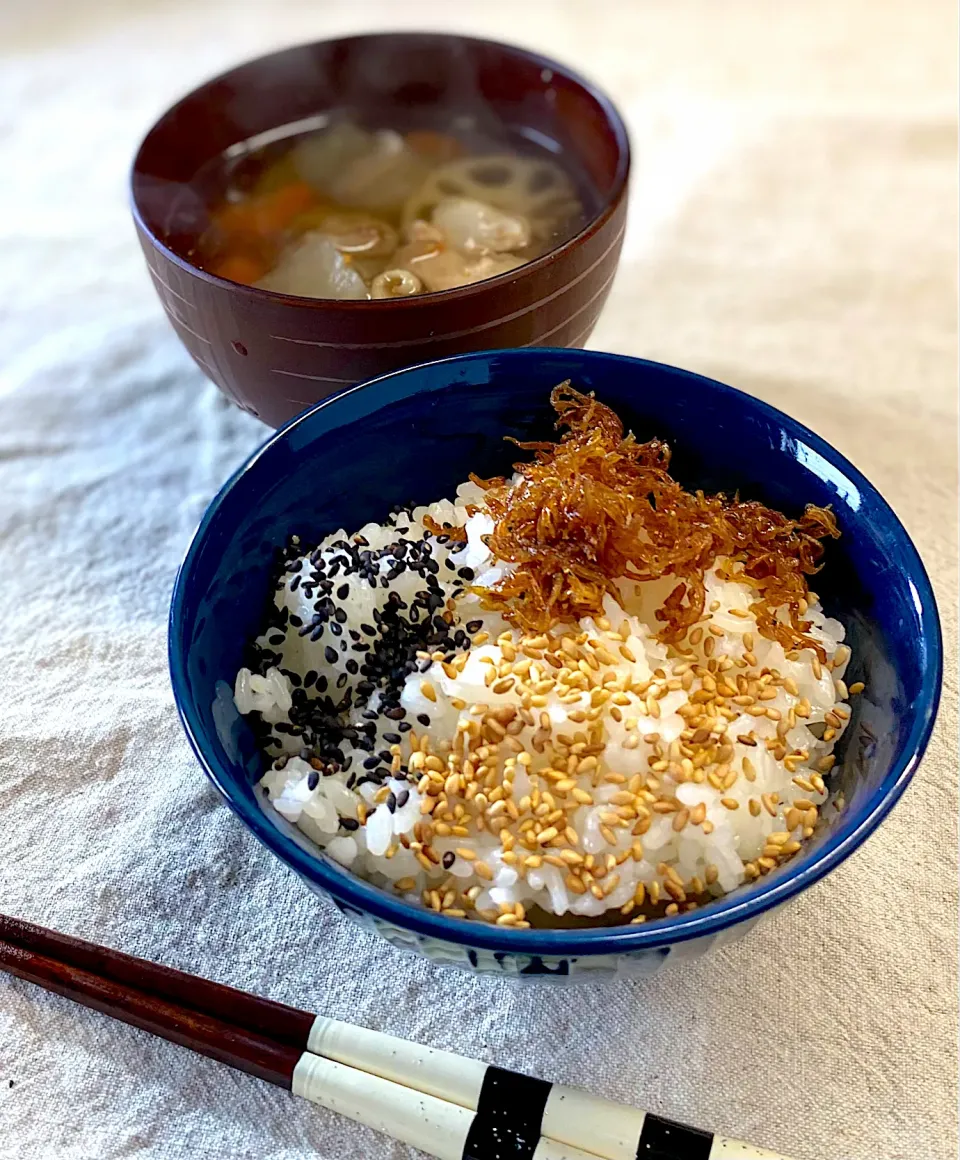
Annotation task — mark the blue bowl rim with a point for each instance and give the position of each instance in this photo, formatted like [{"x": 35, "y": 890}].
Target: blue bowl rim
[
  {"x": 566, "y": 943},
  {"x": 595, "y": 222}
]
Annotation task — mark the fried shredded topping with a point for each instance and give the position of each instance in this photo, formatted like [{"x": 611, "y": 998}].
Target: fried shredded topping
[
  {"x": 451, "y": 531},
  {"x": 598, "y": 506}
]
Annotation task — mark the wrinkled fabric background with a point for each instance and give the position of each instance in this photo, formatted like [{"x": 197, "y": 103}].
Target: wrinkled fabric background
[{"x": 793, "y": 232}]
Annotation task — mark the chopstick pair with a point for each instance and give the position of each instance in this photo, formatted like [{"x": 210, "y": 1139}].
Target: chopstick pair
[{"x": 444, "y": 1104}]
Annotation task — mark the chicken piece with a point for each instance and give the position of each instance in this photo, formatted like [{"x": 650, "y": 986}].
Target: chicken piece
[{"x": 440, "y": 267}]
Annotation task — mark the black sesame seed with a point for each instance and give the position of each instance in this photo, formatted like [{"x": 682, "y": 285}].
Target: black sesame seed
[
  {"x": 392, "y": 738},
  {"x": 343, "y": 591},
  {"x": 313, "y": 779},
  {"x": 352, "y": 667},
  {"x": 466, "y": 573},
  {"x": 371, "y": 762},
  {"x": 391, "y": 802},
  {"x": 330, "y": 655},
  {"x": 402, "y": 798},
  {"x": 350, "y": 823},
  {"x": 423, "y": 718},
  {"x": 474, "y": 625},
  {"x": 404, "y": 726},
  {"x": 448, "y": 859}
]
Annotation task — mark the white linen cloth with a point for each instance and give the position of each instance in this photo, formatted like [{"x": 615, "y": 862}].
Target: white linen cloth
[{"x": 793, "y": 232}]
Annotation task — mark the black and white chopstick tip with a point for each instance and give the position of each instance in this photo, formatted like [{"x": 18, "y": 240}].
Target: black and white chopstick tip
[{"x": 663, "y": 1139}]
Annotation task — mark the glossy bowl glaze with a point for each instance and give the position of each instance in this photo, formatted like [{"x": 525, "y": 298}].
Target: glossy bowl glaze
[
  {"x": 273, "y": 354},
  {"x": 414, "y": 435}
]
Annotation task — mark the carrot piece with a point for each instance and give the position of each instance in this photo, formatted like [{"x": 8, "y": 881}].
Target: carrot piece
[
  {"x": 239, "y": 268},
  {"x": 266, "y": 213},
  {"x": 276, "y": 210}
]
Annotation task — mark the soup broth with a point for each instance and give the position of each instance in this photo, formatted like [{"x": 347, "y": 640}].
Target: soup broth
[{"x": 337, "y": 209}]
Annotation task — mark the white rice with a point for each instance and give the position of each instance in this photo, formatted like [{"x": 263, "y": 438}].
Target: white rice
[{"x": 736, "y": 833}]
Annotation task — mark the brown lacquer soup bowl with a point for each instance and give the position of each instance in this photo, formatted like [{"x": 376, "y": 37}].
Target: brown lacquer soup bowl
[{"x": 274, "y": 354}]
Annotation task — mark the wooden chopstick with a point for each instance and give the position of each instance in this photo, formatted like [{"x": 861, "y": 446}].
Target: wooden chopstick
[
  {"x": 216, "y": 1038},
  {"x": 445, "y": 1130},
  {"x": 262, "y": 1016},
  {"x": 344, "y": 1067}
]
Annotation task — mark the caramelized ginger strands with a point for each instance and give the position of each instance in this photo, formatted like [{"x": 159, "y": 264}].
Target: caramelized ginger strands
[{"x": 598, "y": 506}]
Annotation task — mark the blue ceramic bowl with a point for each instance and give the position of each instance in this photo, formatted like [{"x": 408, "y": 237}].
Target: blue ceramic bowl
[{"x": 415, "y": 434}]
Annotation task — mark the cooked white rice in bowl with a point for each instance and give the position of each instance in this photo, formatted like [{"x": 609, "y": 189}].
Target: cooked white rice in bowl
[{"x": 590, "y": 772}]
